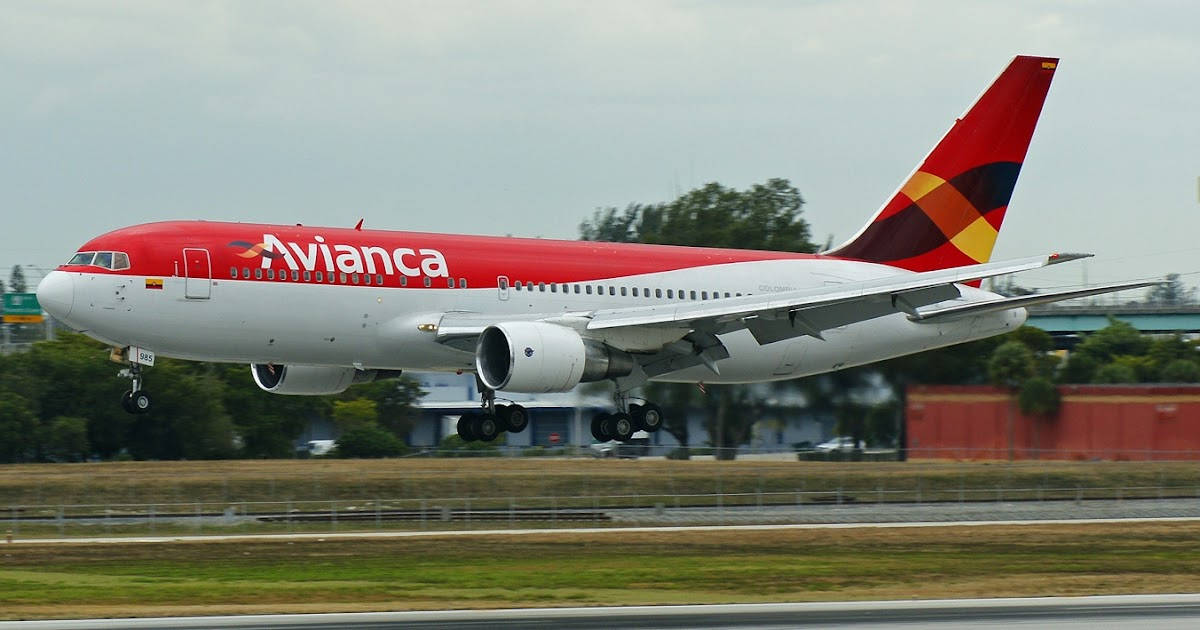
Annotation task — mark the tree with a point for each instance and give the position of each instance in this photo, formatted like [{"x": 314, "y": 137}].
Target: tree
[
  {"x": 1011, "y": 364},
  {"x": 16, "y": 281},
  {"x": 65, "y": 439},
  {"x": 369, "y": 440},
  {"x": 17, "y": 427},
  {"x": 765, "y": 216},
  {"x": 352, "y": 414},
  {"x": 1170, "y": 292},
  {"x": 1180, "y": 371},
  {"x": 395, "y": 402}
]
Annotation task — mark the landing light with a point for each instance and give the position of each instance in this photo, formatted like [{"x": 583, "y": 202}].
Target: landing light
[{"x": 427, "y": 327}]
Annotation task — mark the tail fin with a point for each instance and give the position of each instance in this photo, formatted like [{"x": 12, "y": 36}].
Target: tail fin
[{"x": 949, "y": 211}]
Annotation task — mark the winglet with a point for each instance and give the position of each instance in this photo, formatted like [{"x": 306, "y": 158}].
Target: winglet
[{"x": 1055, "y": 259}]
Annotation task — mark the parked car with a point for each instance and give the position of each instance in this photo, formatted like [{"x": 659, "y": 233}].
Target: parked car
[
  {"x": 637, "y": 445},
  {"x": 840, "y": 443}
]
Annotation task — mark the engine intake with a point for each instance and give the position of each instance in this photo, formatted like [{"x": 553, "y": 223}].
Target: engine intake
[
  {"x": 311, "y": 380},
  {"x": 537, "y": 357}
]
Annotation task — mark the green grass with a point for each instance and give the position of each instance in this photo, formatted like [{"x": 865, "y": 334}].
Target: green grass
[{"x": 596, "y": 569}]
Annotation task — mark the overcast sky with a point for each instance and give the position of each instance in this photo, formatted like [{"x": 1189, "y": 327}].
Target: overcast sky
[{"x": 523, "y": 117}]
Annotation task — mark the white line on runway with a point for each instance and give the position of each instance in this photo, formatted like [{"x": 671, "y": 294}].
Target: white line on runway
[
  {"x": 581, "y": 530},
  {"x": 613, "y": 613}
]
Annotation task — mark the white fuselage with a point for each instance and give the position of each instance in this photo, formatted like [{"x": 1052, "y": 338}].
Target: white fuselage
[{"x": 376, "y": 327}]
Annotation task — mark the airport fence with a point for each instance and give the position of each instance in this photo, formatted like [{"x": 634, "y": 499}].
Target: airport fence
[{"x": 842, "y": 503}]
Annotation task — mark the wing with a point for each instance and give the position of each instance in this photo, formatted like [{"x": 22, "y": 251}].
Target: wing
[{"x": 670, "y": 337}]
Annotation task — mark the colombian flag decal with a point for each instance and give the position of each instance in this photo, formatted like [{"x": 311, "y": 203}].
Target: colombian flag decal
[{"x": 154, "y": 283}]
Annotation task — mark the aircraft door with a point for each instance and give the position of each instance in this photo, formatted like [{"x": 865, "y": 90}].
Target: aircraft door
[
  {"x": 197, "y": 274},
  {"x": 502, "y": 287}
]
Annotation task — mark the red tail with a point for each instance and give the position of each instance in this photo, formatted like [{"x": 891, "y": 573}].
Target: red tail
[{"x": 949, "y": 211}]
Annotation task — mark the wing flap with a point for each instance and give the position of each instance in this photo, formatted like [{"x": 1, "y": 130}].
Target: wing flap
[{"x": 979, "y": 308}]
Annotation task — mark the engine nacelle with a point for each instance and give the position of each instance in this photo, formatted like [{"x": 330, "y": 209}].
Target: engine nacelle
[
  {"x": 310, "y": 380},
  {"x": 537, "y": 357}
]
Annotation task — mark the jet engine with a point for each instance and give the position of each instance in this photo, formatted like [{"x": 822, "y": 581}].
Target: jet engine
[
  {"x": 311, "y": 380},
  {"x": 538, "y": 357}
]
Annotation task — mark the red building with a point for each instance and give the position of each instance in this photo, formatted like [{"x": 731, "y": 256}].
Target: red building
[{"x": 1113, "y": 422}]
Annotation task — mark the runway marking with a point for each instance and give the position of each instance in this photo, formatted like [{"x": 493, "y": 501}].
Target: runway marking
[
  {"x": 581, "y": 530},
  {"x": 1020, "y": 607}
]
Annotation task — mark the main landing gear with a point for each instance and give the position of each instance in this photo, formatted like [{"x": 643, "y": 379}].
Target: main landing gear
[
  {"x": 629, "y": 419},
  {"x": 134, "y": 400},
  {"x": 487, "y": 423}
]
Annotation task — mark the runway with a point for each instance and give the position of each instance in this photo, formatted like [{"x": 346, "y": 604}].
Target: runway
[
  {"x": 1159, "y": 612},
  {"x": 567, "y": 531}
]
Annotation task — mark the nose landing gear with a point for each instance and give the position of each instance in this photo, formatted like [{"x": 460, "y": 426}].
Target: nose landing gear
[{"x": 134, "y": 400}]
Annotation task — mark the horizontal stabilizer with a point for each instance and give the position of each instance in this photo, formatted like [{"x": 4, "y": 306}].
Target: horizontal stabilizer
[{"x": 979, "y": 308}]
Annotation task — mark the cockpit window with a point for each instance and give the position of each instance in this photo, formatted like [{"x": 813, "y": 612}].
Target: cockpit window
[{"x": 108, "y": 260}]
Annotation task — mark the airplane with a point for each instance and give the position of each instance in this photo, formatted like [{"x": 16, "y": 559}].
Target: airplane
[{"x": 314, "y": 310}]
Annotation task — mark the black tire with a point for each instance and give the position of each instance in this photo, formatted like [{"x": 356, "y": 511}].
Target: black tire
[
  {"x": 602, "y": 427},
  {"x": 465, "y": 427},
  {"x": 514, "y": 417},
  {"x": 622, "y": 427},
  {"x": 635, "y": 412},
  {"x": 127, "y": 401},
  {"x": 140, "y": 402},
  {"x": 486, "y": 426},
  {"x": 651, "y": 417}
]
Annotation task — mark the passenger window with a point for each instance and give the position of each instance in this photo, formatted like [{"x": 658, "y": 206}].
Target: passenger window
[
  {"x": 726, "y": 294},
  {"x": 258, "y": 273},
  {"x": 366, "y": 278},
  {"x": 623, "y": 291},
  {"x": 403, "y": 281},
  {"x": 516, "y": 285},
  {"x": 320, "y": 277},
  {"x": 658, "y": 293},
  {"x": 270, "y": 274},
  {"x": 577, "y": 289},
  {"x": 693, "y": 295},
  {"x": 646, "y": 292},
  {"x": 354, "y": 278},
  {"x": 428, "y": 282},
  {"x": 462, "y": 283},
  {"x": 120, "y": 261},
  {"x": 233, "y": 272},
  {"x": 295, "y": 275},
  {"x": 588, "y": 289},
  {"x": 635, "y": 291},
  {"x": 553, "y": 288},
  {"x": 308, "y": 276},
  {"x": 450, "y": 283},
  {"x": 612, "y": 290},
  {"x": 103, "y": 259},
  {"x": 342, "y": 278},
  {"x": 704, "y": 295},
  {"x": 379, "y": 279},
  {"x": 245, "y": 273},
  {"x": 670, "y": 294},
  {"x": 82, "y": 258}
]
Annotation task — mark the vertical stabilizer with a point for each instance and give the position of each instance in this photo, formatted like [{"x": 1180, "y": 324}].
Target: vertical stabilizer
[{"x": 949, "y": 211}]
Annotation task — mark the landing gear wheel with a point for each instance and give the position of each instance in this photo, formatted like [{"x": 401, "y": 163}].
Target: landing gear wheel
[
  {"x": 140, "y": 402},
  {"x": 647, "y": 417},
  {"x": 622, "y": 427},
  {"x": 127, "y": 401},
  {"x": 465, "y": 427},
  {"x": 486, "y": 426},
  {"x": 514, "y": 417},
  {"x": 602, "y": 427}
]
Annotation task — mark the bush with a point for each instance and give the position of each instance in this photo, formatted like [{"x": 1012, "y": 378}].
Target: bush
[
  {"x": 454, "y": 446},
  {"x": 369, "y": 441}
]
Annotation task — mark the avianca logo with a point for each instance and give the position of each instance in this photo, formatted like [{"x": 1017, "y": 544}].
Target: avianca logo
[{"x": 346, "y": 258}]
